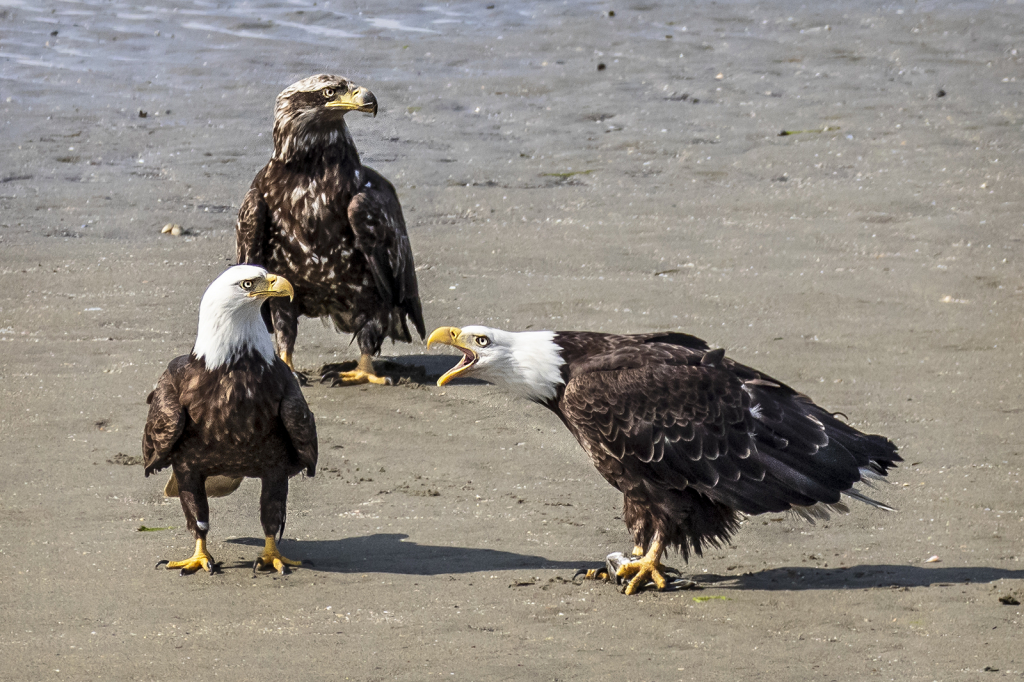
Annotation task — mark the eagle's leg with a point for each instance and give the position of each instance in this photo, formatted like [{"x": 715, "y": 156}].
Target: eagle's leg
[
  {"x": 648, "y": 567},
  {"x": 192, "y": 492},
  {"x": 285, "y": 319},
  {"x": 273, "y": 502},
  {"x": 362, "y": 374}
]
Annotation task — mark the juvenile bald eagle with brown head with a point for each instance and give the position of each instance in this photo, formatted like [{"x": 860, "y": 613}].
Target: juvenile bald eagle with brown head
[
  {"x": 690, "y": 437},
  {"x": 332, "y": 226},
  {"x": 230, "y": 409}
]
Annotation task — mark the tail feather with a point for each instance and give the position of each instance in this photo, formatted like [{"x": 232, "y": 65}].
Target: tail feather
[{"x": 867, "y": 500}]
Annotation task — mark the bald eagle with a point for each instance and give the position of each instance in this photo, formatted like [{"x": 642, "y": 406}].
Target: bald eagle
[
  {"x": 231, "y": 408},
  {"x": 690, "y": 437},
  {"x": 331, "y": 225}
]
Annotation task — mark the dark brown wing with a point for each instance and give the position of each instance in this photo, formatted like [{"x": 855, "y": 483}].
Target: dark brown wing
[
  {"x": 251, "y": 228},
  {"x": 298, "y": 420},
  {"x": 744, "y": 441},
  {"x": 167, "y": 418},
  {"x": 376, "y": 218}
]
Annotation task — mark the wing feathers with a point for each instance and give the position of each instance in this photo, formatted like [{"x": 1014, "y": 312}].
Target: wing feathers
[
  {"x": 298, "y": 421},
  {"x": 167, "y": 419},
  {"x": 679, "y": 418},
  {"x": 250, "y": 230},
  {"x": 379, "y": 226}
]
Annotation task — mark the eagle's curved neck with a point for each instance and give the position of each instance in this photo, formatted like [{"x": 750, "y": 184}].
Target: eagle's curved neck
[{"x": 298, "y": 140}]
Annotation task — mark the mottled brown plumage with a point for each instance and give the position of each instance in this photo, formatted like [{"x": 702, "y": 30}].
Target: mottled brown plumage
[
  {"x": 231, "y": 408},
  {"x": 332, "y": 226},
  {"x": 690, "y": 437},
  {"x": 247, "y": 419}
]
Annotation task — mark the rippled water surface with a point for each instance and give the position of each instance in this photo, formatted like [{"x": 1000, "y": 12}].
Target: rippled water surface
[{"x": 178, "y": 44}]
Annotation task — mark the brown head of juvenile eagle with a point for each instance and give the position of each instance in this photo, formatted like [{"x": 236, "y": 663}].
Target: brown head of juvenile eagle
[
  {"x": 690, "y": 437},
  {"x": 333, "y": 227},
  {"x": 231, "y": 408}
]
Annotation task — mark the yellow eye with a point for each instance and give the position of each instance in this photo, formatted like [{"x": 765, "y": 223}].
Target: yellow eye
[
  {"x": 482, "y": 341},
  {"x": 328, "y": 93},
  {"x": 246, "y": 284}
]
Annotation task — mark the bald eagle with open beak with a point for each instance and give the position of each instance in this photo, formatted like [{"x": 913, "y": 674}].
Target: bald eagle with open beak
[
  {"x": 231, "y": 409},
  {"x": 332, "y": 226},
  {"x": 690, "y": 437}
]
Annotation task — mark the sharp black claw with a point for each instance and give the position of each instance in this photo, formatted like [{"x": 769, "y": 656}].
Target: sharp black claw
[
  {"x": 307, "y": 561},
  {"x": 579, "y": 572},
  {"x": 255, "y": 565},
  {"x": 161, "y": 563},
  {"x": 301, "y": 378},
  {"x": 328, "y": 375}
]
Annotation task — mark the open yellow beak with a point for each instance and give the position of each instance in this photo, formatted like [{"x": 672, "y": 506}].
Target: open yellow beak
[
  {"x": 277, "y": 286},
  {"x": 359, "y": 99},
  {"x": 452, "y": 336}
]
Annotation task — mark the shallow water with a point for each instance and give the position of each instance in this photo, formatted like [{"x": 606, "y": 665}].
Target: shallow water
[{"x": 198, "y": 43}]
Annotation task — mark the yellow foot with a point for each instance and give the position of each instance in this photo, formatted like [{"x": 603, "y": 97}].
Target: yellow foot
[
  {"x": 201, "y": 559},
  {"x": 356, "y": 376},
  {"x": 642, "y": 571},
  {"x": 591, "y": 574},
  {"x": 272, "y": 559}
]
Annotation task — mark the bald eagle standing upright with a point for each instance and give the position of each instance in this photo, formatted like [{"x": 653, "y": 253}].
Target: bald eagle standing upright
[
  {"x": 690, "y": 437},
  {"x": 332, "y": 226},
  {"x": 231, "y": 409}
]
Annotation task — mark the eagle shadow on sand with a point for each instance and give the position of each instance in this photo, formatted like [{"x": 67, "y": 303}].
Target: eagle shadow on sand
[
  {"x": 391, "y": 553},
  {"x": 860, "y": 577},
  {"x": 423, "y": 370}
]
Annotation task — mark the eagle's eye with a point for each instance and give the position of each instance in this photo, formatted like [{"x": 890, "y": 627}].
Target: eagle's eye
[
  {"x": 482, "y": 341},
  {"x": 328, "y": 93},
  {"x": 246, "y": 284}
]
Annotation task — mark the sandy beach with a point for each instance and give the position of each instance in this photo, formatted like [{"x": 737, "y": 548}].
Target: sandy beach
[{"x": 586, "y": 165}]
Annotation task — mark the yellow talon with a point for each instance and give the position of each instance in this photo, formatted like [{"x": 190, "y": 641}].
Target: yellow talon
[
  {"x": 271, "y": 558},
  {"x": 358, "y": 377},
  {"x": 649, "y": 567},
  {"x": 362, "y": 374},
  {"x": 200, "y": 559}
]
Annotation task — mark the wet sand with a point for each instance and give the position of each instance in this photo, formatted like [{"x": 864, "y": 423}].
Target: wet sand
[{"x": 872, "y": 261}]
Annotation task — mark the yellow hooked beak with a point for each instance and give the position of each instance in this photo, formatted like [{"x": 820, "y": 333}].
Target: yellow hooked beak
[
  {"x": 452, "y": 336},
  {"x": 359, "y": 99},
  {"x": 275, "y": 286}
]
